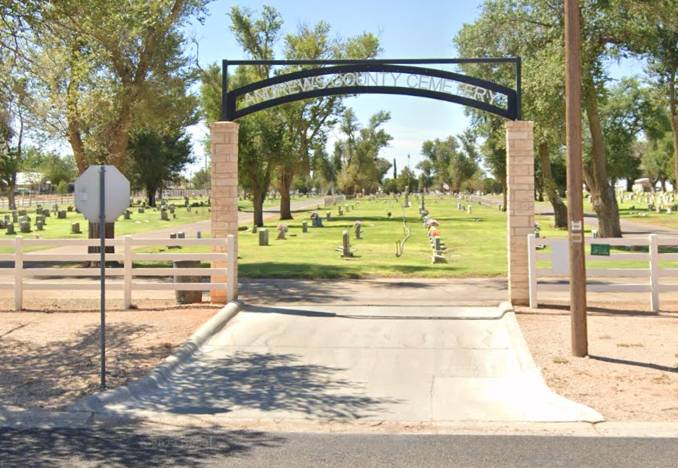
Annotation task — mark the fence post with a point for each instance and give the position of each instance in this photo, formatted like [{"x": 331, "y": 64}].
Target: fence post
[
  {"x": 654, "y": 272},
  {"x": 127, "y": 278},
  {"x": 532, "y": 269},
  {"x": 231, "y": 265},
  {"x": 18, "y": 273}
]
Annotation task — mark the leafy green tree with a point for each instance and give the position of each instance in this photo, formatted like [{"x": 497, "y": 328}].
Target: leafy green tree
[
  {"x": 156, "y": 159},
  {"x": 104, "y": 69},
  {"x": 657, "y": 158},
  {"x": 58, "y": 169},
  {"x": 201, "y": 180},
  {"x": 361, "y": 168},
  {"x": 407, "y": 181},
  {"x": 652, "y": 32}
]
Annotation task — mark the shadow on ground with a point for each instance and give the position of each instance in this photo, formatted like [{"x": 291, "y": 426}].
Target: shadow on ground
[
  {"x": 126, "y": 446},
  {"x": 62, "y": 370},
  {"x": 267, "y": 382}
]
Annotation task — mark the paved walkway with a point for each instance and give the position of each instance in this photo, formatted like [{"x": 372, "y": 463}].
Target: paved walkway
[
  {"x": 629, "y": 228},
  {"x": 409, "y": 364}
]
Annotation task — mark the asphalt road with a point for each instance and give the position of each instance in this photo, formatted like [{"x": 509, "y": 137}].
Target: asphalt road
[{"x": 133, "y": 447}]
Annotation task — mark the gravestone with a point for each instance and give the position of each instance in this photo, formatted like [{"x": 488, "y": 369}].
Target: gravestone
[
  {"x": 329, "y": 216},
  {"x": 388, "y": 215},
  {"x": 62, "y": 214},
  {"x": 282, "y": 230},
  {"x": 127, "y": 214},
  {"x": 25, "y": 227},
  {"x": 164, "y": 216},
  {"x": 198, "y": 235},
  {"x": 316, "y": 220},
  {"x": 173, "y": 235},
  {"x": 358, "y": 228},
  {"x": 75, "y": 228},
  {"x": 304, "y": 226},
  {"x": 10, "y": 228},
  {"x": 40, "y": 219},
  {"x": 186, "y": 202},
  {"x": 3, "y": 224},
  {"x": 263, "y": 237},
  {"x": 39, "y": 224},
  {"x": 141, "y": 210},
  {"x": 346, "y": 245},
  {"x": 181, "y": 235},
  {"x": 341, "y": 212},
  {"x": 22, "y": 213}
]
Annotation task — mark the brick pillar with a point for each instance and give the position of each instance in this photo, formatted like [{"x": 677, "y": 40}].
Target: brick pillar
[
  {"x": 224, "y": 194},
  {"x": 520, "y": 208}
]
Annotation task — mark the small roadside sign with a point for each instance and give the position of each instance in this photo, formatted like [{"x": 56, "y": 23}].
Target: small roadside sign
[
  {"x": 101, "y": 195},
  {"x": 117, "y": 193},
  {"x": 600, "y": 250}
]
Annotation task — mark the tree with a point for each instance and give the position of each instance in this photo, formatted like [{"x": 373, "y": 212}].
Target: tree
[
  {"x": 450, "y": 162},
  {"x": 361, "y": 168},
  {"x": 201, "y": 180},
  {"x": 518, "y": 30},
  {"x": 58, "y": 169},
  {"x": 652, "y": 32},
  {"x": 103, "y": 68},
  {"x": 156, "y": 159},
  {"x": 407, "y": 181}
]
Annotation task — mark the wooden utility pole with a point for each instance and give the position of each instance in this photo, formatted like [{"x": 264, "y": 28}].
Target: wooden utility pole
[{"x": 575, "y": 178}]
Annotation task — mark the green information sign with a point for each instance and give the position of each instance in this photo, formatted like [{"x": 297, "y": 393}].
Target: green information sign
[{"x": 600, "y": 249}]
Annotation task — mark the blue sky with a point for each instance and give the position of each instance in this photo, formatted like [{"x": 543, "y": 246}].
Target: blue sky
[{"x": 406, "y": 29}]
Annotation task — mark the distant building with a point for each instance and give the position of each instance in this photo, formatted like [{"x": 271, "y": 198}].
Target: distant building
[{"x": 642, "y": 185}]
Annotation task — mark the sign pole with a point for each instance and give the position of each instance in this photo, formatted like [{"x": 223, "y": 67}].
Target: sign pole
[
  {"x": 102, "y": 266},
  {"x": 574, "y": 178}
]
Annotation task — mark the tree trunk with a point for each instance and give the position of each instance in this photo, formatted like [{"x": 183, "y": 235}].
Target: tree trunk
[
  {"x": 284, "y": 186},
  {"x": 629, "y": 185},
  {"x": 11, "y": 198},
  {"x": 504, "y": 194},
  {"x": 551, "y": 189},
  {"x": 674, "y": 121},
  {"x": 602, "y": 193},
  {"x": 93, "y": 233},
  {"x": 150, "y": 194},
  {"x": 258, "y": 205}
]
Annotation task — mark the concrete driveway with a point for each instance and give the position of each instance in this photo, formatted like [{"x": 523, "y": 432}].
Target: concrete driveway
[{"x": 369, "y": 364}]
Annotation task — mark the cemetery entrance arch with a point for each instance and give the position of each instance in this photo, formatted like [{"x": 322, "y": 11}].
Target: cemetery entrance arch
[{"x": 410, "y": 77}]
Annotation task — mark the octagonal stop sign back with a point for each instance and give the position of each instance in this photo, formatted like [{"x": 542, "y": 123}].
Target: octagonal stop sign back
[{"x": 117, "y": 193}]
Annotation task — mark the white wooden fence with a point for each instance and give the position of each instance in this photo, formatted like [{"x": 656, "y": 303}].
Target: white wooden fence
[
  {"x": 645, "y": 279},
  {"x": 19, "y": 275}
]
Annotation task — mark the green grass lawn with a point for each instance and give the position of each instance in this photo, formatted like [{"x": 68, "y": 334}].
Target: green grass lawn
[
  {"x": 476, "y": 244},
  {"x": 140, "y": 222}
]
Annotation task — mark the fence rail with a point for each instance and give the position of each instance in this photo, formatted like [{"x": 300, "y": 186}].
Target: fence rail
[
  {"x": 559, "y": 266},
  {"x": 221, "y": 273}
]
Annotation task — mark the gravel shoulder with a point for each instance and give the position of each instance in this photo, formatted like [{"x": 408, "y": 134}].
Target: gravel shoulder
[
  {"x": 632, "y": 371},
  {"x": 49, "y": 358}
]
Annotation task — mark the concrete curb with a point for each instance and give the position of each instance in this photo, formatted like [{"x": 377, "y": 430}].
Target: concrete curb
[
  {"x": 578, "y": 411},
  {"x": 98, "y": 402}
]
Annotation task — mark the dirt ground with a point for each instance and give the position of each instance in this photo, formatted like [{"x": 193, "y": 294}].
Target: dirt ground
[
  {"x": 632, "y": 371},
  {"x": 47, "y": 359}
]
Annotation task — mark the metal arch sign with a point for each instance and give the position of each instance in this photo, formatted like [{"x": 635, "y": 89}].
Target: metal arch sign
[{"x": 347, "y": 77}]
